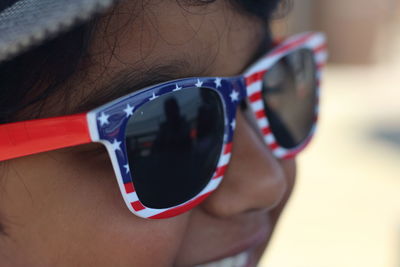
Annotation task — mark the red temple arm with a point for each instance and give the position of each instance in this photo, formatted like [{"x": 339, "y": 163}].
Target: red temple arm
[{"x": 29, "y": 137}]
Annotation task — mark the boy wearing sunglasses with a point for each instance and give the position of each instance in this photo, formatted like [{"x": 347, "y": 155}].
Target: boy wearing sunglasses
[{"x": 185, "y": 108}]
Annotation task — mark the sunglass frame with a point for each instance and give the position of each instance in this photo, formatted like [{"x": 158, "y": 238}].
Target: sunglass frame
[{"x": 107, "y": 124}]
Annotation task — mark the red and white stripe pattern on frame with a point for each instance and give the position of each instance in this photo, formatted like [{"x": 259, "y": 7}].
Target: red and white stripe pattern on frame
[
  {"x": 254, "y": 79},
  {"x": 134, "y": 203}
]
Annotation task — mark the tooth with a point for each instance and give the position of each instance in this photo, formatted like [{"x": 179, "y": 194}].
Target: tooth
[
  {"x": 228, "y": 262},
  {"x": 208, "y": 265},
  {"x": 241, "y": 259}
]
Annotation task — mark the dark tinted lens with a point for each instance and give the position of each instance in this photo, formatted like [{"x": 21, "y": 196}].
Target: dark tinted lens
[
  {"x": 173, "y": 145},
  {"x": 289, "y": 93}
]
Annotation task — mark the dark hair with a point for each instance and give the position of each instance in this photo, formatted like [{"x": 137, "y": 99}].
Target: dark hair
[{"x": 34, "y": 75}]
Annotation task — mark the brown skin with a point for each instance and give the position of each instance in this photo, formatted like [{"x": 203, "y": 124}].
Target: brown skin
[{"x": 63, "y": 208}]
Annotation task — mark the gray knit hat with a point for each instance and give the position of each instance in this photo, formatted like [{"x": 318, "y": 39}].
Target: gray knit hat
[{"x": 25, "y": 23}]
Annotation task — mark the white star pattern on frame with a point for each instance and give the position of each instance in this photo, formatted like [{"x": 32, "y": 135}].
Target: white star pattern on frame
[
  {"x": 103, "y": 119},
  {"x": 153, "y": 96},
  {"x": 126, "y": 166},
  {"x": 116, "y": 145},
  {"x": 129, "y": 110},
  {"x": 177, "y": 88},
  {"x": 218, "y": 82},
  {"x": 234, "y": 96},
  {"x": 226, "y": 138},
  {"x": 233, "y": 124},
  {"x": 199, "y": 83}
]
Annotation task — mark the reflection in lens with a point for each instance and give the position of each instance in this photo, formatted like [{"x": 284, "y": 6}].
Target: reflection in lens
[
  {"x": 289, "y": 94},
  {"x": 173, "y": 145}
]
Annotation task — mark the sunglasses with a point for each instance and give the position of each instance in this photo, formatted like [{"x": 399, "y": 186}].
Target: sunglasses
[{"x": 171, "y": 143}]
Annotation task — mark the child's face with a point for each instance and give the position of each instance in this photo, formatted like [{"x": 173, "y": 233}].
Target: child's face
[{"x": 64, "y": 208}]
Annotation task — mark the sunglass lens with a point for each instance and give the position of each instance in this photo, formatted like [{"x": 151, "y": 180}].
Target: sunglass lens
[
  {"x": 289, "y": 94},
  {"x": 173, "y": 145}
]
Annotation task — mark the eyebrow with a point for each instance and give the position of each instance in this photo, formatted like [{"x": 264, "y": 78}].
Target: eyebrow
[
  {"x": 132, "y": 79},
  {"x": 135, "y": 78}
]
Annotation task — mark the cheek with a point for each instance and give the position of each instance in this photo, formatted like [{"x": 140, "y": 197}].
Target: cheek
[{"x": 71, "y": 208}]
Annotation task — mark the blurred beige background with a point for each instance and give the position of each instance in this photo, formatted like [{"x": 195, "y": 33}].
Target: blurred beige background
[{"x": 345, "y": 210}]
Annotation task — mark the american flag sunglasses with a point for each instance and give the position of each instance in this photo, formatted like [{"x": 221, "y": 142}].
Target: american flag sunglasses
[{"x": 171, "y": 143}]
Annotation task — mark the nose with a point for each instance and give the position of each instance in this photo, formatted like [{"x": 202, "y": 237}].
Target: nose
[{"x": 254, "y": 180}]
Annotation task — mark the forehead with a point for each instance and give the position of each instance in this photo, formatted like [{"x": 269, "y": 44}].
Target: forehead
[
  {"x": 141, "y": 43},
  {"x": 209, "y": 37}
]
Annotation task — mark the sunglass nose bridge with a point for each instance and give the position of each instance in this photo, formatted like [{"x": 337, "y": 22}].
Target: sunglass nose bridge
[{"x": 238, "y": 88}]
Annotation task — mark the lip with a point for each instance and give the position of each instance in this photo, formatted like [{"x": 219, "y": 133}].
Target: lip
[{"x": 249, "y": 244}]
